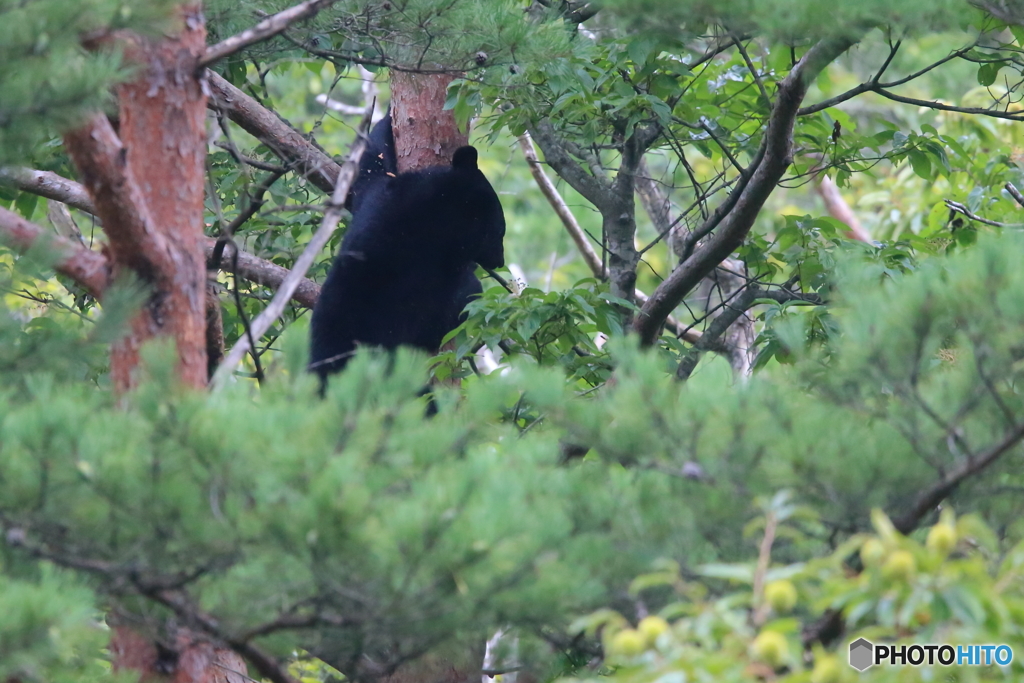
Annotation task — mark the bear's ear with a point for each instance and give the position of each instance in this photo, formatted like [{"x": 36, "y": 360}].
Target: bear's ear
[{"x": 465, "y": 157}]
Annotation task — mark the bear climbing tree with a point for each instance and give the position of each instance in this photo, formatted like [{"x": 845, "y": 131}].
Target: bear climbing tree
[{"x": 406, "y": 266}]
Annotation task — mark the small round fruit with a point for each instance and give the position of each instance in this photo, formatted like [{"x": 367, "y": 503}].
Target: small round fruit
[
  {"x": 826, "y": 670},
  {"x": 771, "y": 648},
  {"x": 872, "y": 552},
  {"x": 652, "y": 627},
  {"x": 627, "y": 643},
  {"x": 781, "y": 595},
  {"x": 900, "y": 566},
  {"x": 941, "y": 539}
]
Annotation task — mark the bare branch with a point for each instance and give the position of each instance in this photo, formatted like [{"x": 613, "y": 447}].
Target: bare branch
[
  {"x": 840, "y": 210},
  {"x": 268, "y": 28},
  {"x": 1015, "y": 193},
  {"x": 937, "y": 492},
  {"x": 340, "y": 107},
  {"x": 268, "y": 128},
  {"x": 590, "y": 257},
  {"x": 263, "y": 272},
  {"x": 735, "y": 225},
  {"x": 49, "y": 185},
  {"x": 931, "y": 104},
  {"x": 957, "y": 207},
  {"x": 88, "y": 268},
  {"x": 547, "y": 187}
]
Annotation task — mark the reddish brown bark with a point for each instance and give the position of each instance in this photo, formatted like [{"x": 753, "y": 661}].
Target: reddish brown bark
[
  {"x": 425, "y": 134},
  {"x": 190, "y": 659},
  {"x": 146, "y": 182},
  {"x": 88, "y": 268}
]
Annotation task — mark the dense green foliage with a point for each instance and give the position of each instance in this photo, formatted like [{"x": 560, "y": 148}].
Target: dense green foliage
[{"x": 48, "y": 80}]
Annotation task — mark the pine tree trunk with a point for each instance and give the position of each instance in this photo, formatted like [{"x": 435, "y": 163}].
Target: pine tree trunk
[
  {"x": 146, "y": 179},
  {"x": 425, "y": 133}
]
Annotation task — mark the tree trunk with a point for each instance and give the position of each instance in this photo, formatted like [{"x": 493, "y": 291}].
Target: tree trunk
[
  {"x": 425, "y": 133},
  {"x": 146, "y": 180}
]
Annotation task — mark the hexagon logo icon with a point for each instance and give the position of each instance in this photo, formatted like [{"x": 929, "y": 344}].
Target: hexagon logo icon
[{"x": 861, "y": 652}]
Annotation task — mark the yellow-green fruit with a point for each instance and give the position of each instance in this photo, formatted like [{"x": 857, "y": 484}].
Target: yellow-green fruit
[
  {"x": 781, "y": 595},
  {"x": 826, "y": 670},
  {"x": 872, "y": 552},
  {"x": 628, "y": 643},
  {"x": 652, "y": 627},
  {"x": 941, "y": 539},
  {"x": 900, "y": 566},
  {"x": 771, "y": 648}
]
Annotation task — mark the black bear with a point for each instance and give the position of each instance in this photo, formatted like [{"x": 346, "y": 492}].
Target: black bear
[
  {"x": 406, "y": 266},
  {"x": 377, "y": 163}
]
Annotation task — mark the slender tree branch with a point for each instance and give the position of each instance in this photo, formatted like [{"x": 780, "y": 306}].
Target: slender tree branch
[
  {"x": 926, "y": 501},
  {"x": 49, "y": 185},
  {"x": 752, "y": 195},
  {"x": 731, "y": 313},
  {"x": 931, "y": 104},
  {"x": 1015, "y": 193},
  {"x": 268, "y": 28},
  {"x": 957, "y": 207},
  {"x": 88, "y": 268},
  {"x": 550, "y": 192},
  {"x": 268, "y": 128},
  {"x": 579, "y": 237},
  {"x": 750, "y": 67}
]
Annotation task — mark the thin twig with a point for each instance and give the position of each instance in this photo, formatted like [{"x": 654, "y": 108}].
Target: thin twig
[{"x": 1015, "y": 193}]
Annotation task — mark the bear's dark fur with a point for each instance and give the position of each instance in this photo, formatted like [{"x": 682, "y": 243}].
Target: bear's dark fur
[{"x": 406, "y": 266}]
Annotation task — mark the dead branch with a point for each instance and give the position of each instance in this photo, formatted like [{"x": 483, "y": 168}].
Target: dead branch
[{"x": 550, "y": 192}]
